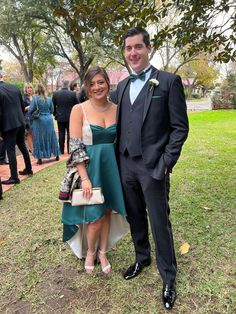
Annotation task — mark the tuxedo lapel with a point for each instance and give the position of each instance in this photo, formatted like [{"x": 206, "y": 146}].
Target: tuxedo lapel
[
  {"x": 149, "y": 94},
  {"x": 121, "y": 91}
]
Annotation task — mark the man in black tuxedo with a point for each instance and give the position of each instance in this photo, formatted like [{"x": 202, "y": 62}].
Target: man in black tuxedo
[
  {"x": 152, "y": 126},
  {"x": 12, "y": 128},
  {"x": 63, "y": 101}
]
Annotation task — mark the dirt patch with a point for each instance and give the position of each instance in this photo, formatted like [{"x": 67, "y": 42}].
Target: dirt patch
[{"x": 17, "y": 307}]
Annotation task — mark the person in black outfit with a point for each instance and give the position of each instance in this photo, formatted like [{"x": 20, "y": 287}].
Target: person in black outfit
[
  {"x": 12, "y": 128},
  {"x": 1, "y": 190},
  {"x": 152, "y": 126},
  {"x": 63, "y": 101},
  {"x": 82, "y": 97},
  {"x": 3, "y": 160},
  {"x": 75, "y": 87}
]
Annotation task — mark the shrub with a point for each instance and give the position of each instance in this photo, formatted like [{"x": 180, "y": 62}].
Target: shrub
[{"x": 225, "y": 96}]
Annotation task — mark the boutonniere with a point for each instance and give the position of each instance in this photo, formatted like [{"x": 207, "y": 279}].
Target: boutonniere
[{"x": 153, "y": 83}]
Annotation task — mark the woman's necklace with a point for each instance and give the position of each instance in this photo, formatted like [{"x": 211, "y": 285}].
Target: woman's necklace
[{"x": 101, "y": 108}]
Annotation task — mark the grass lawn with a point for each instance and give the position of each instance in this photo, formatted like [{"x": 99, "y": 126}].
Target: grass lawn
[{"x": 39, "y": 274}]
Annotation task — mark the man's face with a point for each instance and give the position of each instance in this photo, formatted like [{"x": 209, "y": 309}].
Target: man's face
[{"x": 136, "y": 53}]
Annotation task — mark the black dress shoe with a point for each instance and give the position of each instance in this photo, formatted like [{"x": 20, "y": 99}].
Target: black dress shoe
[
  {"x": 135, "y": 269},
  {"x": 168, "y": 296},
  {"x": 11, "y": 181},
  {"x": 39, "y": 162},
  {"x": 4, "y": 162},
  {"x": 26, "y": 172}
]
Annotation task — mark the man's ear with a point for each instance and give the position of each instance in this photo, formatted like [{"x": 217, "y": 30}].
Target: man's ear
[{"x": 149, "y": 47}]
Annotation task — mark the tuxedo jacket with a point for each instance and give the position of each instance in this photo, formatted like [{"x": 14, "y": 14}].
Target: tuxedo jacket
[
  {"x": 164, "y": 126},
  {"x": 63, "y": 101},
  {"x": 11, "y": 107}
]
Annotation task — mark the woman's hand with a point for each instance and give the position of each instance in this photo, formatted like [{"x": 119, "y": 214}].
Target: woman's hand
[{"x": 86, "y": 186}]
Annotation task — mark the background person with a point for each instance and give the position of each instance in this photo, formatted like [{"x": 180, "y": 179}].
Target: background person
[
  {"x": 12, "y": 127},
  {"x": 75, "y": 87},
  {"x": 45, "y": 141},
  {"x": 28, "y": 99},
  {"x": 63, "y": 101}
]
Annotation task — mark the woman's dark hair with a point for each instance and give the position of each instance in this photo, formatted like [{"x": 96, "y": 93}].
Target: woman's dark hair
[
  {"x": 89, "y": 75},
  {"x": 136, "y": 31},
  {"x": 73, "y": 86}
]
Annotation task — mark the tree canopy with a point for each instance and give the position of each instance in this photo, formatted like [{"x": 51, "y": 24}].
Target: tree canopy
[{"x": 82, "y": 31}]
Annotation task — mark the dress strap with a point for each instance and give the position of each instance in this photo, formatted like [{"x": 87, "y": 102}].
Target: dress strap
[
  {"x": 85, "y": 116},
  {"x": 87, "y": 135}
]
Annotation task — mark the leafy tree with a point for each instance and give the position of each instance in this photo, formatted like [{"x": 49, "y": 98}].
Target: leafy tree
[
  {"x": 90, "y": 28},
  {"x": 205, "y": 25},
  {"x": 23, "y": 38},
  {"x": 87, "y": 31},
  {"x": 12, "y": 71},
  {"x": 192, "y": 28},
  {"x": 199, "y": 73}
]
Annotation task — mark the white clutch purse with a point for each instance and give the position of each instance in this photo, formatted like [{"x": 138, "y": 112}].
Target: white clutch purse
[{"x": 78, "y": 199}]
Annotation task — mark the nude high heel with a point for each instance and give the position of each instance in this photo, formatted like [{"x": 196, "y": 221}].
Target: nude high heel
[
  {"x": 89, "y": 268},
  {"x": 107, "y": 268}
]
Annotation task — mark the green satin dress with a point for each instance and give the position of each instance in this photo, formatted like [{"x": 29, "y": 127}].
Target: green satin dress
[{"x": 103, "y": 172}]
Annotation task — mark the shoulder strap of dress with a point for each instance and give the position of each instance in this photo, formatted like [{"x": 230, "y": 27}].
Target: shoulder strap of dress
[{"x": 85, "y": 116}]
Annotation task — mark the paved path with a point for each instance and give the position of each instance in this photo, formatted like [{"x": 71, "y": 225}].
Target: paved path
[
  {"x": 5, "y": 172},
  {"x": 199, "y": 105}
]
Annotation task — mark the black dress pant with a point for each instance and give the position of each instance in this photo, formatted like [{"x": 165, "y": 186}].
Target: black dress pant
[
  {"x": 11, "y": 139},
  {"x": 144, "y": 196},
  {"x": 63, "y": 128},
  {"x": 2, "y": 150},
  {"x": 1, "y": 189}
]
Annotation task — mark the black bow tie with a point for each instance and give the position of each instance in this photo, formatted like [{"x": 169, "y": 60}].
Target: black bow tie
[{"x": 134, "y": 77}]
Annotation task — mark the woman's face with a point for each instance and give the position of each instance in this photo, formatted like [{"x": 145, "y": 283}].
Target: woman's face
[
  {"x": 98, "y": 88},
  {"x": 77, "y": 88},
  {"x": 29, "y": 90}
]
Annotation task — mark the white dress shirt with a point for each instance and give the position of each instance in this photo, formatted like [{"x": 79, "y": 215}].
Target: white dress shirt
[{"x": 137, "y": 85}]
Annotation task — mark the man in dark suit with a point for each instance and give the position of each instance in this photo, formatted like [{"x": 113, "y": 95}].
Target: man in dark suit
[
  {"x": 12, "y": 128},
  {"x": 3, "y": 160},
  {"x": 152, "y": 126},
  {"x": 63, "y": 101}
]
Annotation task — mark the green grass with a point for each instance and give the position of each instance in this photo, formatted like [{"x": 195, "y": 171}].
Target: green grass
[{"x": 39, "y": 274}]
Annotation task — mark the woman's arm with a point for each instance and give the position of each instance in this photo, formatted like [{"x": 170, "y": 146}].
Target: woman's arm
[{"x": 76, "y": 124}]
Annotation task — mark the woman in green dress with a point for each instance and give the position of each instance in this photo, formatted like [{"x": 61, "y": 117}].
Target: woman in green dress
[{"x": 95, "y": 227}]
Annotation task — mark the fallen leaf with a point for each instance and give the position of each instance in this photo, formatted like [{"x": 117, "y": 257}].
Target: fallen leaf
[
  {"x": 61, "y": 296},
  {"x": 184, "y": 248},
  {"x": 2, "y": 242},
  {"x": 207, "y": 208}
]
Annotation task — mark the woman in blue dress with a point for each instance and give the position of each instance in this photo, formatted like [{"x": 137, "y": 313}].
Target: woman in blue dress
[
  {"x": 92, "y": 229},
  {"x": 45, "y": 142}
]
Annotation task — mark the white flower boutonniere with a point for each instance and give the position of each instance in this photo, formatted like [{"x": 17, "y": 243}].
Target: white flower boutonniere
[{"x": 153, "y": 83}]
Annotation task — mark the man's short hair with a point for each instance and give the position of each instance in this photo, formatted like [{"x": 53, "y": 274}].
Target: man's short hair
[
  {"x": 65, "y": 83},
  {"x": 136, "y": 31}
]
